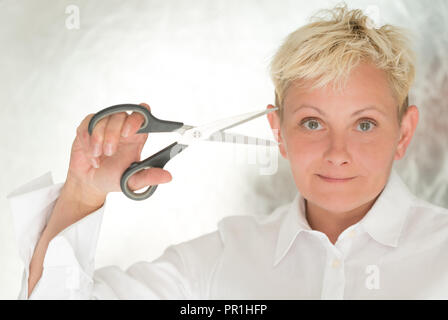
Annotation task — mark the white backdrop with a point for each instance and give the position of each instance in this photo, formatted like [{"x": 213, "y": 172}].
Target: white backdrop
[{"x": 191, "y": 61}]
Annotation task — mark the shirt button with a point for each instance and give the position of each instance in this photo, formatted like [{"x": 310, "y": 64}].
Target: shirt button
[{"x": 336, "y": 263}]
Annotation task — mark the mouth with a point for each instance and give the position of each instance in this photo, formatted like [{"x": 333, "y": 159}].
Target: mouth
[{"x": 334, "y": 179}]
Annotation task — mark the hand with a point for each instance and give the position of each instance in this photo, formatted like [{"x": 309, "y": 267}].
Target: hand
[{"x": 97, "y": 161}]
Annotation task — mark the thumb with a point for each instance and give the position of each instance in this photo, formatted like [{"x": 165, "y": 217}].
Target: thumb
[{"x": 149, "y": 177}]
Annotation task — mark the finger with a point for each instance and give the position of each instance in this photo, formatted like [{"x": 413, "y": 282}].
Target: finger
[
  {"x": 133, "y": 122},
  {"x": 97, "y": 138},
  {"x": 149, "y": 177},
  {"x": 82, "y": 135},
  {"x": 112, "y": 132},
  {"x": 82, "y": 132}
]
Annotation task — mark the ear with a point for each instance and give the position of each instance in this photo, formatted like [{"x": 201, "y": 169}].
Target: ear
[
  {"x": 274, "y": 122},
  {"x": 407, "y": 129}
]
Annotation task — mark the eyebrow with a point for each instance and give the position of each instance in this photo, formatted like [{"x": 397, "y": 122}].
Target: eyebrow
[{"x": 371, "y": 107}]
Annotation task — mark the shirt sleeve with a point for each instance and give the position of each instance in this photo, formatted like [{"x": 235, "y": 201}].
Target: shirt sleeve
[{"x": 69, "y": 269}]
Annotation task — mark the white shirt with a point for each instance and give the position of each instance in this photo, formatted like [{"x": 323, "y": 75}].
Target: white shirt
[{"x": 399, "y": 250}]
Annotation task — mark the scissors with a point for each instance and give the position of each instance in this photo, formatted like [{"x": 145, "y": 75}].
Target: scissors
[{"x": 189, "y": 134}]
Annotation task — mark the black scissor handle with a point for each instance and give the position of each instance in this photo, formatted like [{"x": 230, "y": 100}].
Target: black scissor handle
[
  {"x": 151, "y": 123},
  {"x": 157, "y": 160}
]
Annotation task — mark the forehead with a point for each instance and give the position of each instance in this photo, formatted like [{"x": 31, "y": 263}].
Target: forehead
[{"x": 366, "y": 85}]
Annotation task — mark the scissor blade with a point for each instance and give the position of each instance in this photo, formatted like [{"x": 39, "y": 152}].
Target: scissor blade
[
  {"x": 183, "y": 129},
  {"x": 192, "y": 134},
  {"x": 221, "y": 125},
  {"x": 240, "y": 139}
]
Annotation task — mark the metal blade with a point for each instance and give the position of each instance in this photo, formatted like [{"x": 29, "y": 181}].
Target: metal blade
[
  {"x": 221, "y": 125},
  {"x": 183, "y": 129},
  {"x": 194, "y": 134},
  {"x": 231, "y": 122}
]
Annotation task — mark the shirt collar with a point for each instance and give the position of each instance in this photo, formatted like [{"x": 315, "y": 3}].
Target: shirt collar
[
  {"x": 383, "y": 222},
  {"x": 293, "y": 223}
]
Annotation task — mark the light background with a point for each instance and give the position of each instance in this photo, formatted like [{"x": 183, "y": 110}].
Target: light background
[{"x": 192, "y": 61}]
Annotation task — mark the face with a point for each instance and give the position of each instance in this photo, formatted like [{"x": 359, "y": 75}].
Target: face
[{"x": 354, "y": 134}]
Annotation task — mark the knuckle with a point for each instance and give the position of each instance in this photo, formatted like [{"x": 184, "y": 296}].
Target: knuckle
[
  {"x": 86, "y": 120},
  {"x": 88, "y": 117},
  {"x": 98, "y": 130},
  {"x": 79, "y": 131},
  {"x": 130, "y": 124},
  {"x": 83, "y": 136},
  {"x": 137, "y": 120},
  {"x": 96, "y": 137},
  {"x": 110, "y": 140}
]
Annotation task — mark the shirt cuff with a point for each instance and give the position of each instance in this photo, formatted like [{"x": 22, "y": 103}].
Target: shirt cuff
[{"x": 69, "y": 260}]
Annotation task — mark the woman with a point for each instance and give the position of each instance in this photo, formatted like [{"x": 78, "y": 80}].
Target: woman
[{"x": 354, "y": 230}]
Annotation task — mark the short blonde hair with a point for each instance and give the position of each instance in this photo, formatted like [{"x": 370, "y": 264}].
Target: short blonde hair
[{"x": 326, "y": 50}]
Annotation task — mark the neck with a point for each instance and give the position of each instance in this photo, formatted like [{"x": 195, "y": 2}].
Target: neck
[{"x": 334, "y": 223}]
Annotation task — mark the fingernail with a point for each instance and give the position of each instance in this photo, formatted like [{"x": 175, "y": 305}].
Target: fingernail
[
  {"x": 125, "y": 131},
  {"x": 96, "y": 150},
  {"x": 95, "y": 163},
  {"x": 108, "y": 149}
]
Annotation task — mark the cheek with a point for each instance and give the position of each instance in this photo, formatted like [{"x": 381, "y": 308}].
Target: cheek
[
  {"x": 301, "y": 150},
  {"x": 373, "y": 155},
  {"x": 304, "y": 157}
]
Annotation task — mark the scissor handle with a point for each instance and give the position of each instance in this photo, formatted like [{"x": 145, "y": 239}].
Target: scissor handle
[
  {"x": 157, "y": 160},
  {"x": 151, "y": 123}
]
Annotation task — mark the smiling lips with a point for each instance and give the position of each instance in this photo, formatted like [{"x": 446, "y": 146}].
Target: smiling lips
[{"x": 328, "y": 179}]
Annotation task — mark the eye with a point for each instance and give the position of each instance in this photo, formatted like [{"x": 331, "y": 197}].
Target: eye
[
  {"x": 310, "y": 123},
  {"x": 366, "y": 125}
]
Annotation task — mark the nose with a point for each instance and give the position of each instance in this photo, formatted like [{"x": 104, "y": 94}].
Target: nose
[{"x": 337, "y": 153}]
